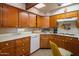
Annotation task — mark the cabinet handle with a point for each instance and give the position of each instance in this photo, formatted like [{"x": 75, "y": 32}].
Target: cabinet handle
[
  {"x": 23, "y": 49},
  {"x": 0, "y": 50},
  {"x": 7, "y": 44},
  {"x": 23, "y": 44}
]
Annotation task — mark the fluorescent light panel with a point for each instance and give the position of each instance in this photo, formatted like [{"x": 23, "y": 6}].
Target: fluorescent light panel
[
  {"x": 65, "y": 4},
  {"x": 41, "y": 5}
]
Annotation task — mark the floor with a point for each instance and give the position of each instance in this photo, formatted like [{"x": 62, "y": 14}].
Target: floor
[
  {"x": 47, "y": 52},
  {"x": 42, "y": 52}
]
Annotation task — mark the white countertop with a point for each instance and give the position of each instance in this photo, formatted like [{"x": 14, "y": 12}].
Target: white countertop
[
  {"x": 6, "y": 37},
  {"x": 12, "y": 36},
  {"x": 75, "y": 36}
]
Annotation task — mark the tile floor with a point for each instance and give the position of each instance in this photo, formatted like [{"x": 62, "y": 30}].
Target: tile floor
[
  {"x": 42, "y": 52},
  {"x": 47, "y": 52}
]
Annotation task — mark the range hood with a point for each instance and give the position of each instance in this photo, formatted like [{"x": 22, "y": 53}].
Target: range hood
[{"x": 67, "y": 19}]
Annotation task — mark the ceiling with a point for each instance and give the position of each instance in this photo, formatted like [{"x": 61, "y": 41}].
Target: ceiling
[
  {"x": 30, "y": 5},
  {"x": 46, "y": 10},
  {"x": 49, "y": 7}
]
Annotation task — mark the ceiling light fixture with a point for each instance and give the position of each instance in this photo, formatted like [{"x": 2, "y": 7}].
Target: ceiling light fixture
[
  {"x": 65, "y": 4},
  {"x": 41, "y": 5}
]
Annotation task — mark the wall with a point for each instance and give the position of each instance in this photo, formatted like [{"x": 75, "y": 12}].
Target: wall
[
  {"x": 17, "y": 30},
  {"x": 73, "y": 30}
]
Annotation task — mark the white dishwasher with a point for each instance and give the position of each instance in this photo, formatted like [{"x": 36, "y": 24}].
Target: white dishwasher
[{"x": 35, "y": 42}]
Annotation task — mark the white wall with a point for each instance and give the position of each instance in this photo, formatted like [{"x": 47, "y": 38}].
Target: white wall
[{"x": 73, "y": 30}]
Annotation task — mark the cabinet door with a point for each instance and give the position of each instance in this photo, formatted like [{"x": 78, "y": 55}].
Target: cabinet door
[
  {"x": 71, "y": 14},
  {"x": 77, "y": 20},
  {"x": 0, "y": 15},
  {"x": 27, "y": 45},
  {"x": 7, "y": 44},
  {"x": 44, "y": 41},
  {"x": 23, "y": 19},
  {"x": 53, "y": 21},
  {"x": 32, "y": 20},
  {"x": 42, "y": 22},
  {"x": 61, "y": 16},
  {"x": 19, "y": 42},
  {"x": 10, "y": 16}
]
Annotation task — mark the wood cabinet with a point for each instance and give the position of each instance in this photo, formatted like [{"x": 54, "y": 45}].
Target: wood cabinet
[
  {"x": 53, "y": 21},
  {"x": 77, "y": 23},
  {"x": 17, "y": 47},
  {"x": 32, "y": 20},
  {"x": 44, "y": 41},
  {"x": 61, "y": 16},
  {"x": 23, "y": 19},
  {"x": 7, "y": 51},
  {"x": 68, "y": 43},
  {"x": 43, "y": 22},
  {"x": 10, "y": 16},
  {"x": 71, "y": 14},
  {"x": 23, "y": 46},
  {"x": 0, "y": 15},
  {"x": 7, "y": 48}
]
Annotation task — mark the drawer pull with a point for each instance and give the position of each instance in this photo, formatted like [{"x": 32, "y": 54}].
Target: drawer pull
[
  {"x": 23, "y": 44},
  {"x": 6, "y": 44},
  {"x": 23, "y": 49}
]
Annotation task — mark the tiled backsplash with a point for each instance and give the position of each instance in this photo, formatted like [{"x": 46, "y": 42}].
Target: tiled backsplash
[
  {"x": 17, "y": 30},
  {"x": 73, "y": 29}
]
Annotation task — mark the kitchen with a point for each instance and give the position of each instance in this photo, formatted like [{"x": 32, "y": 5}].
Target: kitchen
[{"x": 27, "y": 28}]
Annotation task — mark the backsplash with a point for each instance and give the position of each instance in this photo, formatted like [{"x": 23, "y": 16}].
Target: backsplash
[
  {"x": 71, "y": 30},
  {"x": 17, "y": 30}
]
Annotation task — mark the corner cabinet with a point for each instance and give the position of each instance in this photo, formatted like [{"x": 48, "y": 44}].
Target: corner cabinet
[
  {"x": 53, "y": 21},
  {"x": 23, "y": 19},
  {"x": 10, "y": 16},
  {"x": 43, "y": 22}
]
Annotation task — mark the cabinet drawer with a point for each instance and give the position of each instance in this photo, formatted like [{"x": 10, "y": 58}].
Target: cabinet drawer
[
  {"x": 22, "y": 51},
  {"x": 7, "y": 51},
  {"x": 7, "y": 44}
]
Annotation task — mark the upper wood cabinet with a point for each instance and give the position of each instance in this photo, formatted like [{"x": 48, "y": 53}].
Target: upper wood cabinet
[
  {"x": 67, "y": 15},
  {"x": 10, "y": 16},
  {"x": 42, "y": 21},
  {"x": 78, "y": 20},
  {"x": 23, "y": 19},
  {"x": 0, "y": 15},
  {"x": 71, "y": 14},
  {"x": 60, "y": 16},
  {"x": 53, "y": 21},
  {"x": 32, "y": 20}
]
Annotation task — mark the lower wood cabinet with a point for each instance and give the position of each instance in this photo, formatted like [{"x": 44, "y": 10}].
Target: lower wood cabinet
[
  {"x": 68, "y": 43},
  {"x": 7, "y": 51},
  {"x": 17, "y": 47},
  {"x": 44, "y": 41}
]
